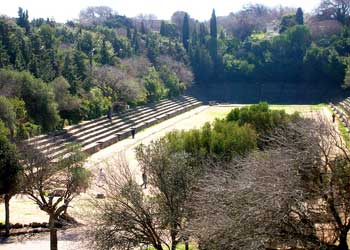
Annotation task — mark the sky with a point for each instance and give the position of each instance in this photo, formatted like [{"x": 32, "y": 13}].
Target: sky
[{"x": 63, "y": 10}]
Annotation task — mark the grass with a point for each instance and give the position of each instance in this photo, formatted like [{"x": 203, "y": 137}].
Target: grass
[{"x": 344, "y": 133}]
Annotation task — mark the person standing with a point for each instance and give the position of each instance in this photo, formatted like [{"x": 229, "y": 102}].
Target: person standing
[
  {"x": 109, "y": 115},
  {"x": 133, "y": 132},
  {"x": 144, "y": 179},
  {"x": 333, "y": 117}
]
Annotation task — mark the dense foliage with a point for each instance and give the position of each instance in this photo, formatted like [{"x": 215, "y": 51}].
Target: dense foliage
[{"x": 80, "y": 69}]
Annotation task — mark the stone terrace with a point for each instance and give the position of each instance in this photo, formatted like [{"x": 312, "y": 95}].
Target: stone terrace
[
  {"x": 100, "y": 133},
  {"x": 342, "y": 110}
]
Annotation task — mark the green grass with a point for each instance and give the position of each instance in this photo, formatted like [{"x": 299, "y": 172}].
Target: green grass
[{"x": 344, "y": 133}]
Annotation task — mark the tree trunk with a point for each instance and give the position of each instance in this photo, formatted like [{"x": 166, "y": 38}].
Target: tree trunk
[
  {"x": 157, "y": 246},
  {"x": 7, "y": 215},
  {"x": 187, "y": 245},
  {"x": 174, "y": 245},
  {"x": 343, "y": 244},
  {"x": 53, "y": 234}
]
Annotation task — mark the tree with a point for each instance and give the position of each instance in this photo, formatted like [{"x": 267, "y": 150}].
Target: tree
[
  {"x": 154, "y": 85},
  {"x": 8, "y": 115},
  {"x": 9, "y": 173},
  {"x": 335, "y": 9},
  {"x": 22, "y": 19},
  {"x": 105, "y": 54},
  {"x": 143, "y": 29},
  {"x": 127, "y": 218},
  {"x": 307, "y": 206},
  {"x": 130, "y": 218},
  {"x": 40, "y": 102},
  {"x": 53, "y": 185},
  {"x": 172, "y": 178},
  {"x": 213, "y": 38},
  {"x": 186, "y": 32},
  {"x": 299, "y": 17},
  {"x": 67, "y": 104}
]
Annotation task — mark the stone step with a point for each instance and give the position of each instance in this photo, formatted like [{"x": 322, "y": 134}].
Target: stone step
[
  {"x": 87, "y": 124},
  {"x": 100, "y": 134},
  {"x": 110, "y": 126},
  {"x": 76, "y": 132},
  {"x": 115, "y": 136}
]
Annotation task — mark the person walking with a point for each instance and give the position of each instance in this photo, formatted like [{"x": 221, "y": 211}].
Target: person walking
[{"x": 333, "y": 117}]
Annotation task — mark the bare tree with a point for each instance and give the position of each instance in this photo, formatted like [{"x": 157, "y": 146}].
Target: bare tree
[
  {"x": 129, "y": 217},
  {"x": 126, "y": 218},
  {"x": 335, "y": 9},
  {"x": 53, "y": 185},
  {"x": 117, "y": 84},
  {"x": 294, "y": 194},
  {"x": 95, "y": 15},
  {"x": 182, "y": 71}
]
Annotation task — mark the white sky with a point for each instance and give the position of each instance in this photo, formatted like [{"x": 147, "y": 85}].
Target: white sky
[{"x": 62, "y": 10}]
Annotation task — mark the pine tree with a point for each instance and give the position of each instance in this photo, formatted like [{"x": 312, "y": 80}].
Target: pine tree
[
  {"x": 299, "y": 18},
  {"x": 186, "y": 32}
]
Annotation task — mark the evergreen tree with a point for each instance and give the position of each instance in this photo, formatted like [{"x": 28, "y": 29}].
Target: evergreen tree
[
  {"x": 299, "y": 18},
  {"x": 80, "y": 71},
  {"x": 22, "y": 19},
  {"x": 213, "y": 39},
  {"x": 186, "y": 32},
  {"x": 203, "y": 32},
  {"x": 143, "y": 28},
  {"x": 9, "y": 173},
  {"x": 135, "y": 41},
  {"x": 105, "y": 57},
  {"x": 162, "y": 28},
  {"x": 128, "y": 33},
  {"x": 68, "y": 71}
]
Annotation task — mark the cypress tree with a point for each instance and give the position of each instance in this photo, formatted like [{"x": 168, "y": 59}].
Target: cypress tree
[
  {"x": 213, "y": 38},
  {"x": 162, "y": 29},
  {"x": 143, "y": 28},
  {"x": 186, "y": 32},
  {"x": 299, "y": 18},
  {"x": 135, "y": 41}
]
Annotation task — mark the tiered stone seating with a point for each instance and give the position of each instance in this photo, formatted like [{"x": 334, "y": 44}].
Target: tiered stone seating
[
  {"x": 342, "y": 110},
  {"x": 97, "y": 134}
]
